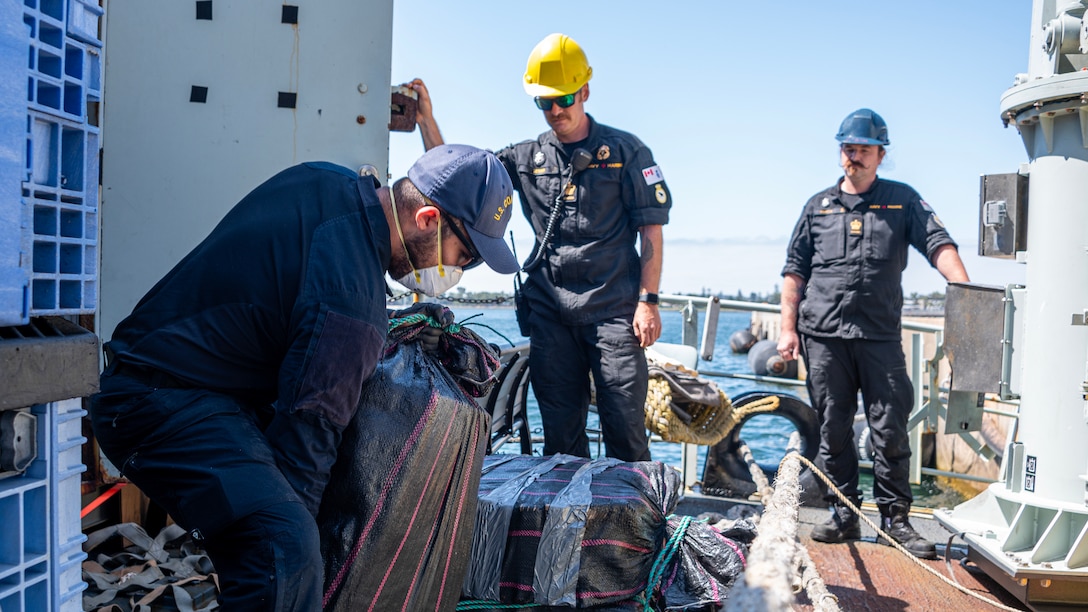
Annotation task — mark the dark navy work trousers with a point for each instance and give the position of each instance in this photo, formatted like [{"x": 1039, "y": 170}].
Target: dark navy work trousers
[
  {"x": 560, "y": 363},
  {"x": 203, "y": 457},
  {"x": 837, "y": 370}
]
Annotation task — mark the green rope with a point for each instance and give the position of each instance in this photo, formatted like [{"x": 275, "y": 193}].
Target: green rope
[
  {"x": 663, "y": 560},
  {"x": 656, "y": 571},
  {"x": 485, "y": 605},
  {"x": 412, "y": 319}
]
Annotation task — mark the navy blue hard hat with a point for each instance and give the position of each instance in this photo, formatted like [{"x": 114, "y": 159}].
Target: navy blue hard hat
[{"x": 863, "y": 126}]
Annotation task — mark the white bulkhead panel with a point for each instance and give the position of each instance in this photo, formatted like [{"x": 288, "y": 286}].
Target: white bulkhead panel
[{"x": 205, "y": 100}]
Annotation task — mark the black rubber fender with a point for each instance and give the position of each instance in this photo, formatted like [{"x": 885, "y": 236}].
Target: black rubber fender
[
  {"x": 758, "y": 355},
  {"x": 764, "y": 360},
  {"x": 726, "y": 475},
  {"x": 741, "y": 341}
]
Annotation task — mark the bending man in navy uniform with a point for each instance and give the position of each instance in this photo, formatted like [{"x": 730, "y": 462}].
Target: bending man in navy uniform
[
  {"x": 229, "y": 385},
  {"x": 842, "y": 299},
  {"x": 593, "y": 296}
]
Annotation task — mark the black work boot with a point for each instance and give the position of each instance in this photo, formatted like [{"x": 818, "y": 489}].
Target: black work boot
[
  {"x": 842, "y": 526},
  {"x": 895, "y": 523}
]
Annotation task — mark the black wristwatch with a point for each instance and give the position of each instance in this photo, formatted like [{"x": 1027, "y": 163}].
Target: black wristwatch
[{"x": 649, "y": 298}]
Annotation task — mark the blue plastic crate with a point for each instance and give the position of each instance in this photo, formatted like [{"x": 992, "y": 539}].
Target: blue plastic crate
[
  {"x": 62, "y": 197},
  {"x": 83, "y": 16},
  {"x": 64, "y": 72},
  {"x": 41, "y": 541},
  {"x": 68, "y": 582},
  {"x": 66, "y": 541},
  {"x": 14, "y": 237},
  {"x": 49, "y": 227},
  {"x": 25, "y": 582},
  {"x": 67, "y": 454}
]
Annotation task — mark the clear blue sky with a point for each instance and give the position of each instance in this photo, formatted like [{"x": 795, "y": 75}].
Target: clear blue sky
[{"x": 740, "y": 103}]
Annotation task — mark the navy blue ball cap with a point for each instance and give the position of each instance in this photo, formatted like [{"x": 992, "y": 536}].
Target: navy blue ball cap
[{"x": 472, "y": 185}]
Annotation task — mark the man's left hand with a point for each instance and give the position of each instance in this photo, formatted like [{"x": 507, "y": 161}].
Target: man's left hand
[
  {"x": 429, "y": 336},
  {"x": 647, "y": 324}
]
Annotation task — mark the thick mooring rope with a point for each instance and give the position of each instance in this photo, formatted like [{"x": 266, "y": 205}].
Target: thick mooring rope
[
  {"x": 768, "y": 579},
  {"x": 763, "y": 486},
  {"x": 822, "y": 599},
  {"x": 708, "y": 424},
  {"x": 804, "y": 568}
]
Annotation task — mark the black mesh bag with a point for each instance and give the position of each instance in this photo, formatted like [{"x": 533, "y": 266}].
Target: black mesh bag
[
  {"x": 706, "y": 565},
  {"x": 396, "y": 517}
]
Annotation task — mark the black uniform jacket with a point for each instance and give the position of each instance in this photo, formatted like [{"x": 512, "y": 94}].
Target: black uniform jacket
[
  {"x": 590, "y": 270},
  {"x": 852, "y": 250},
  {"x": 284, "y": 302}
]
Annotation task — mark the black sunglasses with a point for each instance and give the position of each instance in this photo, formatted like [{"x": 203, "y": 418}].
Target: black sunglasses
[
  {"x": 545, "y": 104},
  {"x": 477, "y": 259}
]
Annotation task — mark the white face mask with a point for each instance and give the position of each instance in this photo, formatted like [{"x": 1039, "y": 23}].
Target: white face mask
[{"x": 432, "y": 281}]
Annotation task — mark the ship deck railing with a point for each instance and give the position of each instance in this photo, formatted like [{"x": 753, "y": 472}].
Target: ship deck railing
[{"x": 929, "y": 395}]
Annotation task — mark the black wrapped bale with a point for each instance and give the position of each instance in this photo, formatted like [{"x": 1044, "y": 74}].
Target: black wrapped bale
[
  {"x": 396, "y": 518},
  {"x": 567, "y": 531},
  {"x": 707, "y": 563}
]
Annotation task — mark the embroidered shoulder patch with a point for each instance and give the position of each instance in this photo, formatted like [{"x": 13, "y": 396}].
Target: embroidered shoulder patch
[
  {"x": 652, "y": 175},
  {"x": 659, "y": 193}
]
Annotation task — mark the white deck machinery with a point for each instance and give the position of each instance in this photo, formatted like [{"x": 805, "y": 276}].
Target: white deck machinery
[{"x": 1030, "y": 531}]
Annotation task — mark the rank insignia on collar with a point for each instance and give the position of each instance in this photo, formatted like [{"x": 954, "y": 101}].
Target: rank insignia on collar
[
  {"x": 603, "y": 152},
  {"x": 538, "y": 158}
]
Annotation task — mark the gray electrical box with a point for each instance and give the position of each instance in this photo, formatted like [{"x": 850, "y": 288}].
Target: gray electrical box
[
  {"x": 965, "y": 409},
  {"x": 1003, "y": 215}
]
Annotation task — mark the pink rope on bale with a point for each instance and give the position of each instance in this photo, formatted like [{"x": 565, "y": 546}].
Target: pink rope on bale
[
  {"x": 412, "y": 521},
  {"x": 470, "y": 460},
  {"x": 387, "y": 486}
]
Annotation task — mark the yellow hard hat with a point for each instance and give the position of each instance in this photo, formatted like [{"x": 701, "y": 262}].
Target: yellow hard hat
[{"x": 557, "y": 66}]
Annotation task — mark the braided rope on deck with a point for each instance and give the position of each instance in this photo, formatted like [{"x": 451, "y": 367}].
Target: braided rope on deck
[
  {"x": 708, "y": 425},
  {"x": 804, "y": 568},
  {"x": 763, "y": 486},
  {"x": 773, "y": 559}
]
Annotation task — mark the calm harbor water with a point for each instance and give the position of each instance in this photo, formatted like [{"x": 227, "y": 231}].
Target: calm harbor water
[{"x": 766, "y": 435}]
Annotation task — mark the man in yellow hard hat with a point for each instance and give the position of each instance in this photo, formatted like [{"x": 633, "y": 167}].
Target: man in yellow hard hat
[{"x": 590, "y": 192}]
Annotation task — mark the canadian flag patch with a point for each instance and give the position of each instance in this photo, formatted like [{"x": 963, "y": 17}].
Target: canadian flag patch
[{"x": 652, "y": 175}]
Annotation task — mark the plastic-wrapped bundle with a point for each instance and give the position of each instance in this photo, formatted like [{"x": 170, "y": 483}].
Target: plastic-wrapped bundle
[
  {"x": 708, "y": 562},
  {"x": 567, "y": 531},
  {"x": 396, "y": 517}
]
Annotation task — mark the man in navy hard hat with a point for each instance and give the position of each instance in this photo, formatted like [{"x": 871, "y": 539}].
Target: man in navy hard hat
[
  {"x": 842, "y": 299},
  {"x": 228, "y": 387},
  {"x": 592, "y": 294}
]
